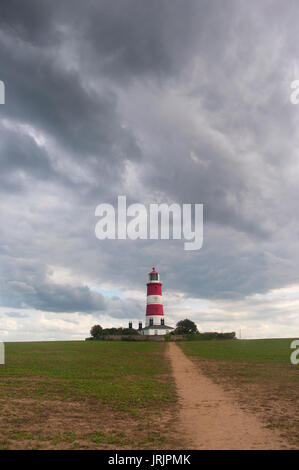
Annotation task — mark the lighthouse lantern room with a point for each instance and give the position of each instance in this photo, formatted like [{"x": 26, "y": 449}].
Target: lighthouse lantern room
[{"x": 154, "y": 318}]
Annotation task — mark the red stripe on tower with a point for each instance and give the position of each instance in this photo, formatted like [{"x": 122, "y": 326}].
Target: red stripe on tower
[
  {"x": 154, "y": 310},
  {"x": 154, "y": 289}
]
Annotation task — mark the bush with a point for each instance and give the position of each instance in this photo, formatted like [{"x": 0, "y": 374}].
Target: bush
[
  {"x": 96, "y": 331},
  {"x": 209, "y": 336},
  {"x": 185, "y": 327},
  {"x": 129, "y": 331}
]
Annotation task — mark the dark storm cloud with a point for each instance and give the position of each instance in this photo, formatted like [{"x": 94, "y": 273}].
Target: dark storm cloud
[
  {"x": 52, "y": 297},
  {"x": 134, "y": 39},
  {"x": 32, "y": 20},
  {"x": 195, "y": 96},
  {"x": 43, "y": 93},
  {"x": 63, "y": 298},
  {"x": 22, "y": 161}
]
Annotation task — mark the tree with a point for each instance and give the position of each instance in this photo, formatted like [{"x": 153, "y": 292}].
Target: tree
[
  {"x": 129, "y": 331},
  {"x": 96, "y": 331},
  {"x": 186, "y": 326}
]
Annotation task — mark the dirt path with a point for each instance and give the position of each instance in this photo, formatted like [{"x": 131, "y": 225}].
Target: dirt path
[{"x": 208, "y": 416}]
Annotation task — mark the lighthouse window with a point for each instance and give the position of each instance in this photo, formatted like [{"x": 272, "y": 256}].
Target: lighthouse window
[{"x": 153, "y": 276}]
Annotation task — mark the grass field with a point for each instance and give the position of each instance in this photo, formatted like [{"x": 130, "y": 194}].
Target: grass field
[
  {"x": 260, "y": 350},
  {"x": 258, "y": 374},
  {"x": 119, "y": 395},
  {"x": 86, "y": 395}
]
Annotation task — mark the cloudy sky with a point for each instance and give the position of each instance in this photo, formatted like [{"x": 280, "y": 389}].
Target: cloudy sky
[{"x": 161, "y": 101}]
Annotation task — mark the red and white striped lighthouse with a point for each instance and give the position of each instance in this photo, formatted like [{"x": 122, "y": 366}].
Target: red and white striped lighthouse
[
  {"x": 154, "y": 319},
  {"x": 154, "y": 306}
]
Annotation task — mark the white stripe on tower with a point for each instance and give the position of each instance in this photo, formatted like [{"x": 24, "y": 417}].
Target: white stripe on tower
[{"x": 154, "y": 299}]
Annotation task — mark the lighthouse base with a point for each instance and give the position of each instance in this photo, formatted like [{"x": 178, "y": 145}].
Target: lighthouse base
[{"x": 156, "y": 330}]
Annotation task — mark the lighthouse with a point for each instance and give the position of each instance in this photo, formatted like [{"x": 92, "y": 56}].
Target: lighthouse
[{"x": 154, "y": 317}]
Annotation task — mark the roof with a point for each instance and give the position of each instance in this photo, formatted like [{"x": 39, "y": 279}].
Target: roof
[{"x": 158, "y": 327}]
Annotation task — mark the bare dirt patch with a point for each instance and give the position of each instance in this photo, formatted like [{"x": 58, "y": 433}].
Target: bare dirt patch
[{"x": 54, "y": 424}]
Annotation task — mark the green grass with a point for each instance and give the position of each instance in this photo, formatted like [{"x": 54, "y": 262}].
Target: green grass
[
  {"x": 120, "y": 373},
  {"x": 258, "y": 351},
  {"x": 77, "y": 394}
]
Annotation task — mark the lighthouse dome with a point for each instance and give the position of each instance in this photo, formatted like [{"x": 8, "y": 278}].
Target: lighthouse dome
[{"x": 154, "y": 276}]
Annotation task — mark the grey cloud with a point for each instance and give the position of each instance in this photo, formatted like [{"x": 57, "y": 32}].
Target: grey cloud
[
  {"x": 59, "y": 105},
  {"x": 16, "y": 315},
  {"x": 32, "y": 21},
  {"x": 57, "y": 298},
  {"x": 52, "y": 297},
  {"x": 22, "y": 161},
  {"x": 24, "y": 284},
  {"x": 125, "y": 308}
]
